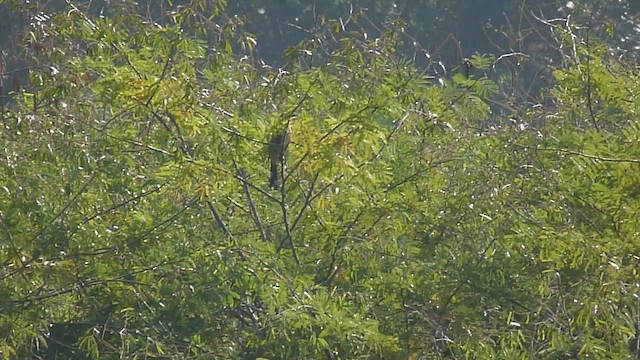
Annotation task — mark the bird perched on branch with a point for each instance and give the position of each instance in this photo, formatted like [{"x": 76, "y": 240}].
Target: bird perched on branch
[{"x": 276, "y": 150}]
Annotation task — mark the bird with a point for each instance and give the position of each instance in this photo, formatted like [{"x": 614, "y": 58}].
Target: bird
[{"x": 276, "y": 150}]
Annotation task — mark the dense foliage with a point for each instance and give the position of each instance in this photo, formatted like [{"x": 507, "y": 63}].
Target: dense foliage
[{"x": 414, "y": 220}]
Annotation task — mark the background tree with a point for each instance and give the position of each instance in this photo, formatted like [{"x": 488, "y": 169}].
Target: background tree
[{"x": 414, "y": 220}]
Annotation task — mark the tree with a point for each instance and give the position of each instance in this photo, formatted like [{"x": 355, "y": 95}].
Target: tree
[{"x": 138, "y": 219}]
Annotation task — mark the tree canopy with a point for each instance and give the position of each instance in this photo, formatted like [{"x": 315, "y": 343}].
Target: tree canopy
[{"x": 428, "y": 206}]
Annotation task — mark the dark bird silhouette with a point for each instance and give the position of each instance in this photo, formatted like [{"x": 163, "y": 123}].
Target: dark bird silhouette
[{"x": 276, "y": 150}]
